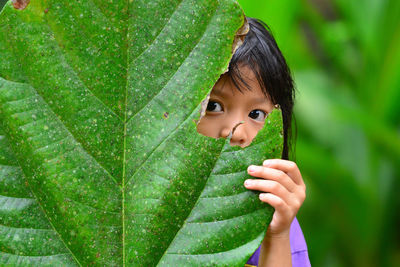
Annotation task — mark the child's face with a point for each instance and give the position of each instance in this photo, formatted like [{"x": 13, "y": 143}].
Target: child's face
[{"x": 228, "y": 107}]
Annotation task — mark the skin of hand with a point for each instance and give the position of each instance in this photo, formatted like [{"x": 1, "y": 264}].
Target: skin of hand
[{"x": 281, "y": 186}]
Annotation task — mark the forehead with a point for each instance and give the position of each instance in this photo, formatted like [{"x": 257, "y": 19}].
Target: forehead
[{"x": 226, "y": 87}]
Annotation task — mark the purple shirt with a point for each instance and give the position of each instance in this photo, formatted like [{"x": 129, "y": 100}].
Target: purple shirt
[{"x": 298, "y": 248}]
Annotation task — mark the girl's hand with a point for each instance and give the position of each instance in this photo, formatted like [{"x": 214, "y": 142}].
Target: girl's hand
[{"x": 283, "y": 188}]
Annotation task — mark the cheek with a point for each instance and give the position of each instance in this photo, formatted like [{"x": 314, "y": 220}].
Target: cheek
[
  {"x": 254, "y": 128},
  {"x": 208, "y": 127}
]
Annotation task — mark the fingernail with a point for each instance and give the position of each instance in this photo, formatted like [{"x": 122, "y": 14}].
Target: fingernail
[
  {"x": 252, "y": 168},
  {"x": 267, "y": 162},
  {"x": 247, "y": 182},
  {"x": 261, "y": 196}
]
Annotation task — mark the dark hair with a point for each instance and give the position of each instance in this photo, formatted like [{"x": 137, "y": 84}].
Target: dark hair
[{"x": 260, "y": 52}]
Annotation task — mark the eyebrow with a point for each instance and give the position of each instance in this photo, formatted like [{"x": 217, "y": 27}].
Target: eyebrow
[
  {"x": 260, "y": 100},
  {"x": 219, "y": 92},
  {"x": 256, "y": 100}
]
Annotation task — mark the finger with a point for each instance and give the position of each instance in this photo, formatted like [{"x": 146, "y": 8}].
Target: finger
[
  {"x": 272, "y": 174},
  {"x": 286, "y": 166},
  {"x": 269, "y": 186},
  {"x": 277, "y": 203}
]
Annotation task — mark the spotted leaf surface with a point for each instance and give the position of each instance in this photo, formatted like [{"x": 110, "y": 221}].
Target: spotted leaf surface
[{"x": 100, "y": 161}]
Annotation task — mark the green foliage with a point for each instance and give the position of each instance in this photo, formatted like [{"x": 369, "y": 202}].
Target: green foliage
[
  {"x": 100, "y": 161},
  {"x": 345, "y": 56}
]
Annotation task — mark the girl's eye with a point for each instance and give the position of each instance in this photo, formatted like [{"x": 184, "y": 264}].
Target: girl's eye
[
  {"x": 257, "y": 115},
  {"x": 214, "y": 106}
]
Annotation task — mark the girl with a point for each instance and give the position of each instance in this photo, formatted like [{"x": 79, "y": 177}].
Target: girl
[{"x": 257, "y": 80}]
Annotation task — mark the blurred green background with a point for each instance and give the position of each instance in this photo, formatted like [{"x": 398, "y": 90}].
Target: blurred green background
[{"x": 345, "y": 58}]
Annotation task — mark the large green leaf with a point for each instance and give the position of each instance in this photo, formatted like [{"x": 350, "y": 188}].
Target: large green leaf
[{"x": 97, "y": 102}]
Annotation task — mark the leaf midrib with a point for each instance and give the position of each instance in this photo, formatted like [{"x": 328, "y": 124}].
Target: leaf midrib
[{"x": 127, "y": 45}]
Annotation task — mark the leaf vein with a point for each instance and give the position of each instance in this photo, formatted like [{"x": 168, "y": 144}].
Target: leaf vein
[
  {"x": 24, "y": 228},
  {"x": 78, "y": 76},
  {"x": 67, "y": 130},
  {"x": 52, "y": 226},
  {"x": 180, "y": 124},
  {"x": 225, "y": 220},
  {"x": 155, "y": 38},
  {"x": 90, "y": 207}
]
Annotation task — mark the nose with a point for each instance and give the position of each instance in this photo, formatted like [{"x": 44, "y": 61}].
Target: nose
[{"x": 238, "y": 130}]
